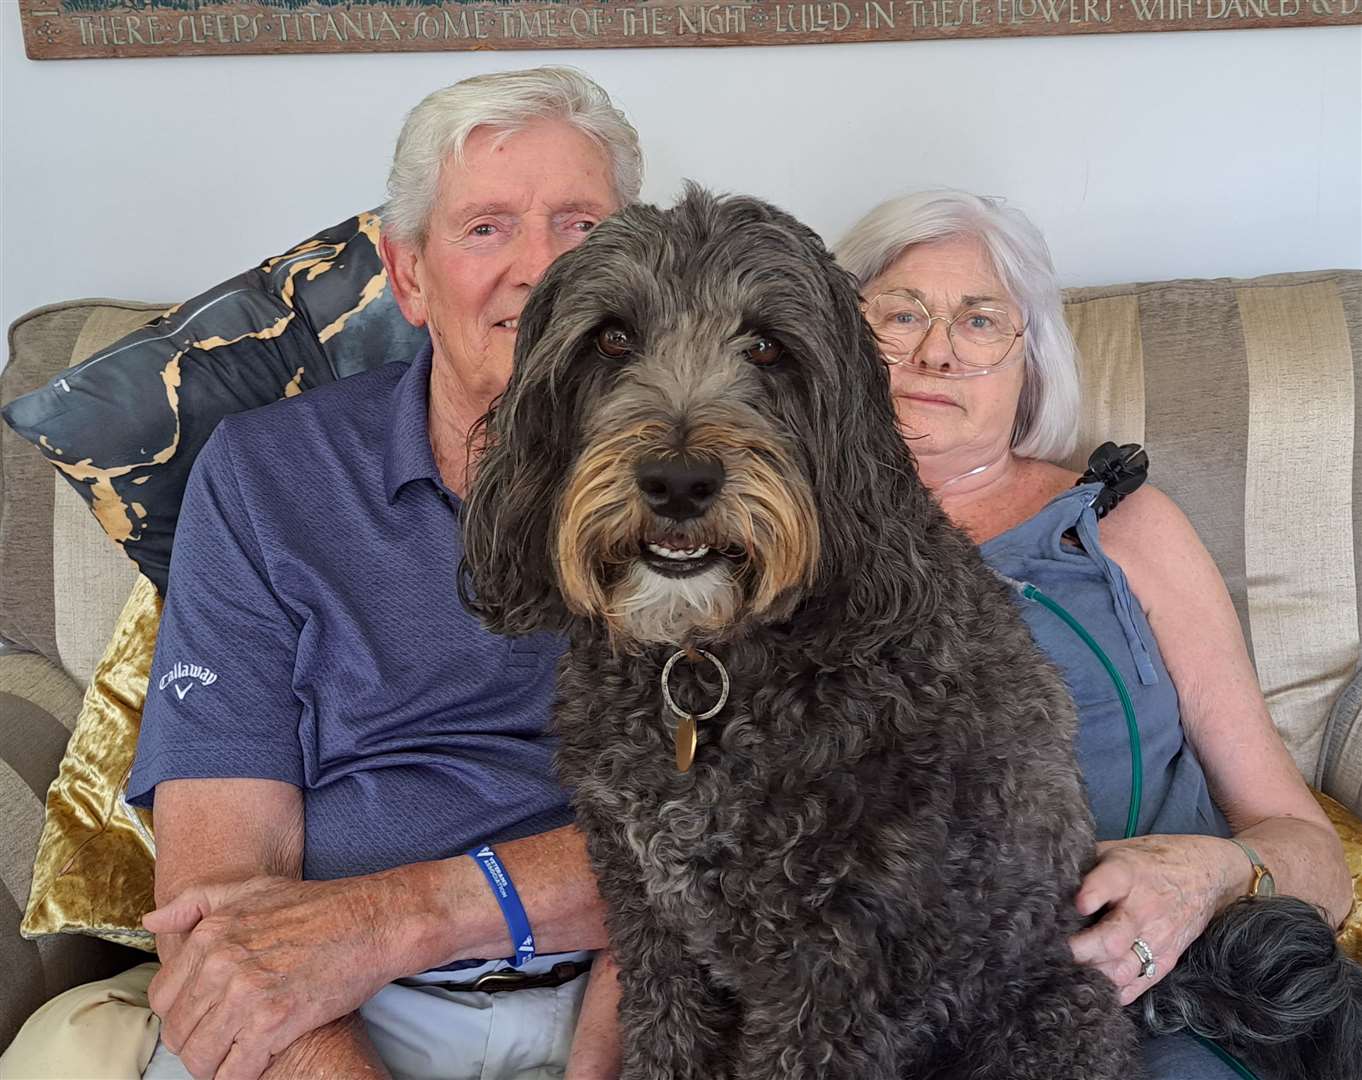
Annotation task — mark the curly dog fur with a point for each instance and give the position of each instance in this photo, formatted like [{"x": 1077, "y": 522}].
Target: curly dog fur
[{"x": 868, "y": 872}]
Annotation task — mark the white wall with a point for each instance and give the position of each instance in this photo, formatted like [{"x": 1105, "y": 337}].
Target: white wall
[{"x": 1142, "y": 156}]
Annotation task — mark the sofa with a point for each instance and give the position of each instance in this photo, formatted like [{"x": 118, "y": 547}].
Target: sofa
[{"x": 1246, "y": 394}]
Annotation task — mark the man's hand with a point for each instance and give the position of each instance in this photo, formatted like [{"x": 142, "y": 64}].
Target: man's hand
[
  {"x": 266, "y": 960},
  {"x": 340, "y": 1050},
  {"x": 254, "y": 958}
]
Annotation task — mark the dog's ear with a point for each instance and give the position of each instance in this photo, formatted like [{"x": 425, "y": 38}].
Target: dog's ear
[
  {"x": 874, "y": 512},
  {"x": 506, "y": 575}
]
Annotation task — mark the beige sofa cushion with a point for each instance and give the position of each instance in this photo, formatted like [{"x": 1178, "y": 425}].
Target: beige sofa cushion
[
  {"x": 1245, "y": 394},
  {"x": 62, "y": 583}
]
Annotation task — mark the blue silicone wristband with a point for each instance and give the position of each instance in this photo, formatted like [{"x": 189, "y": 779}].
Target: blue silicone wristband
[{"x": 517, "y": 922}]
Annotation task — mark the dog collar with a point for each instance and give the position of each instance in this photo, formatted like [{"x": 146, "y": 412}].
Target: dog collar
[{"x": 687, "y": 735}]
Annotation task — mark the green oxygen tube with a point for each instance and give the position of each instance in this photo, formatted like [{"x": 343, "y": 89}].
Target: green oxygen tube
[
  {"x": 1030, "y": 592},
  {"x": 1127, "y": 706}
]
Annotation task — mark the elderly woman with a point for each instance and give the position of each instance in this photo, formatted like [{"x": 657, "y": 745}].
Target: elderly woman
[{"x": 962, "y": 293}]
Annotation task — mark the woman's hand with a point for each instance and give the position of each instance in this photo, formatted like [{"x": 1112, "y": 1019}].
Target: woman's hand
[{"x": 1161, "y": 889}]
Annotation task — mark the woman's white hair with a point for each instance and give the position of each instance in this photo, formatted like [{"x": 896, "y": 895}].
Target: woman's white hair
[
  {"x": 437, "y": 129},
  {"x": 1047, "y": 414}
]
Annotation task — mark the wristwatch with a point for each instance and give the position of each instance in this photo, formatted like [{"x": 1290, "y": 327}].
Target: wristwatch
[{"x": 1263, "y": 882}]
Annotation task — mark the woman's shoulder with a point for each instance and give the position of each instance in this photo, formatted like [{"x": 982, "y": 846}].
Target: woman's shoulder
[
  {"x": 1146, "y": 534},
  {"x": 1044, "y": 482},
  {"x": 1147, "y": 516},
  {"x": 1049, "y": 476},
  {"x": 1153, "y": 542},
  {"x": 1033, "y": 485}
]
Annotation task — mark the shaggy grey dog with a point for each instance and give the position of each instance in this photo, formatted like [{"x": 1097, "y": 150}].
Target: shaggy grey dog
[{"x": 867, "y": 870}]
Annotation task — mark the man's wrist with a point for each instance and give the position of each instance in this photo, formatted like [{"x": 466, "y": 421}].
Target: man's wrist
[
  {"x": 440, "y": 912},
  {"x": 513, "y": 911},
  {"x": 340, "y": 1049},
  {"x": 443, "y": 911}
]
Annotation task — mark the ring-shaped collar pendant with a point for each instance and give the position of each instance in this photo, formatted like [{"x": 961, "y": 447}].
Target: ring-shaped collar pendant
[{"x": 667, "y": 690}]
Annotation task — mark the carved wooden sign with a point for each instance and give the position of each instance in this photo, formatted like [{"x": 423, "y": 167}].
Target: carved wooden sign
[{"x": 66, "y": 29}]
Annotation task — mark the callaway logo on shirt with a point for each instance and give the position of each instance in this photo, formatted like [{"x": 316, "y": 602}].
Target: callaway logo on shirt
[{"x": 183, "y": 676}]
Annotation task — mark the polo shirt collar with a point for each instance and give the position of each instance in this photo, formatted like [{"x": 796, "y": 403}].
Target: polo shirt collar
[{"x": 407, "y": 455}]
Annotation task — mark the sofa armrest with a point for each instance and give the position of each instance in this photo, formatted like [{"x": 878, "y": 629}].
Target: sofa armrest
[
  {"x": 1340, "y": 760},
  {"x": 39, "y": 704}
]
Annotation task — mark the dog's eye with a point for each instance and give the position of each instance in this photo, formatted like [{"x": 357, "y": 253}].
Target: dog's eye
[
  {"x": 614, "y": 342},
  {"x": 763, "y": 351}
]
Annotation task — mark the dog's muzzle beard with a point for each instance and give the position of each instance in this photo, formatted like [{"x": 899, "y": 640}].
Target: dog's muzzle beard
[{"x": 651, "y": 578}]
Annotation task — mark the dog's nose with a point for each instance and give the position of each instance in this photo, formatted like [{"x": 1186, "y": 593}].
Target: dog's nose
[{"x": 680, "y": 487}]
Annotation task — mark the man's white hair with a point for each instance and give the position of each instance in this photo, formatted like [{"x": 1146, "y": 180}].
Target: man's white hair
[
  {"x": 438, "y": 128},
  {"x": 1047, "y": 414}
]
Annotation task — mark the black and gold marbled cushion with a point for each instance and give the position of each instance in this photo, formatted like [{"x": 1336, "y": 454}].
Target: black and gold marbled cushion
[
  {"x": 62, "y": 583},
  {"x": 124, "y": 425}
]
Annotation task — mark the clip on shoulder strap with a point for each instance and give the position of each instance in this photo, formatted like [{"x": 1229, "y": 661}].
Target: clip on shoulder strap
[{"x": 1120, "y": 469}]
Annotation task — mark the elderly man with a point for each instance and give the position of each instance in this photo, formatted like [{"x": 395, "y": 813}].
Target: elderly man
[{"x": 314, "y": 804}]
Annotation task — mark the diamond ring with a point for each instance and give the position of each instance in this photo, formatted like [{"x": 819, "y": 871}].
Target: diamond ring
[{"x": 1148, "y": 969}]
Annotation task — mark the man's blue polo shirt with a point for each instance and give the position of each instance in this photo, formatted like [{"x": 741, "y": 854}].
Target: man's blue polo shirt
[{"x": 313, "y": 634}]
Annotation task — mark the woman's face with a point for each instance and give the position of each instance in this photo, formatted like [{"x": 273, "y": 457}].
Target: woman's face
[{"x": 960, "y": 416}]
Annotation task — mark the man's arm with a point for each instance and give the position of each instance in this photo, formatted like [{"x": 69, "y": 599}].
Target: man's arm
[
  {"x": 456, "y": 917},
  {"x": 224, "y": 831},
  {"x": 271, "y": 958},
  {"x": 597, "y": 1053}
]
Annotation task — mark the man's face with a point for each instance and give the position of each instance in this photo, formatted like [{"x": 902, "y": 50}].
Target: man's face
[{"x": 501, "y": 217}]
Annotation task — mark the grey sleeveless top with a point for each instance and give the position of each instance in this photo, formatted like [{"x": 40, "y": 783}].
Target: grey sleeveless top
[{"x": 1093, "y": 589}]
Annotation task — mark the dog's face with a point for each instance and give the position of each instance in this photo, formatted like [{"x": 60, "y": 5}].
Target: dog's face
[{"x": 693, "y": 390}]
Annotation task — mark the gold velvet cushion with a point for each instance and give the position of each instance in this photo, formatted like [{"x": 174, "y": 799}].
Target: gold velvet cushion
[
  {"x": 93, "y": 873},
  {"x": 1349, "y": 830}
]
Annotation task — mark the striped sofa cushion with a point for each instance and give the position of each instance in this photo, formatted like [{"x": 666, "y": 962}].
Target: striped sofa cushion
[
  {"x": 38, "y": 707},
  {"x": 1245, "y": 393},
  {"x": 62, "y": 583}
]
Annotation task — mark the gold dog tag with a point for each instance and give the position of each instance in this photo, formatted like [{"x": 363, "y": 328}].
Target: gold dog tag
[
  {"x": 685, "y": 743},
  {"x": 685, "y": 721}
]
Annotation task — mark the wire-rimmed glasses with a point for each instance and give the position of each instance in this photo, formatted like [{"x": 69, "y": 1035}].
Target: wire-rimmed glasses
[{"x": 981, "y": 337}]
